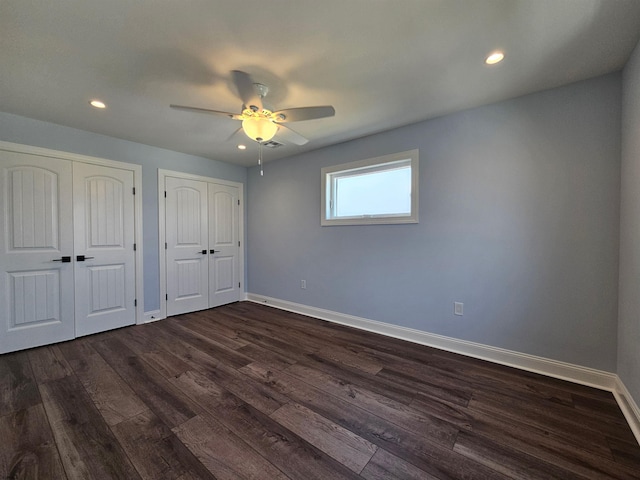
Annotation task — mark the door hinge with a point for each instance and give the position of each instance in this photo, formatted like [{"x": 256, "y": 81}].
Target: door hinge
[
  {"x": 238, "y": 202},
  {"x": 238, "y": 242},
  {"x": 134, "y": 247},
  {"x": 134, "y": 190},
  {"x": 165, "y": 194},
  {"x": 135, "y": 302},
  {"x": 238, "y": 284},
  {"x": 165, "y": 245},
  {"x": 166, "y": 297}
]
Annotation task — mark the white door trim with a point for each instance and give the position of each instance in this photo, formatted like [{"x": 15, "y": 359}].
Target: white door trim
[
  {"x": 162, "y": 174},
  {"x": 137, "y": 182}
]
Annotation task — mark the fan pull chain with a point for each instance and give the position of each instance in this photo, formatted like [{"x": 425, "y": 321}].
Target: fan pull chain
[{"x": 260, "y": 158}]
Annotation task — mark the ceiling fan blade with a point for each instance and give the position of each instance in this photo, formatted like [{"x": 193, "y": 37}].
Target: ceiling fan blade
[
  {"x": 289, "y": 136},
  {"x": 206, "y": 110},
  {"x": 304, "y": 113},
  {"x": 246, "y": 90},
  {"x": 233, "y": 135}
]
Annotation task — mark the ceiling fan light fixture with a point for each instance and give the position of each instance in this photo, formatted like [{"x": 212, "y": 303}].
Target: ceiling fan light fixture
[{"x": 259, "y": 129}]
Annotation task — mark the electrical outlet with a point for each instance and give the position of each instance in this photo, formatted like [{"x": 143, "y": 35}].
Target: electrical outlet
[
  {"x": 458, "y": 308},
  {"x": 303, "y": 284}
]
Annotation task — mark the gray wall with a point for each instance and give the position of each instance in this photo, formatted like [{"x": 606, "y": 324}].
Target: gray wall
[
  {"x": 519, "y": 219},
  {"x": 629, "y": 306},
  {"x": 48, "y": 135}
]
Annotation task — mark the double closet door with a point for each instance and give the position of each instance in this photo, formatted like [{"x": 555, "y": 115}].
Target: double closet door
[
  {"x": 67, "y": 262},
  {"x": 202, "y": 221}
]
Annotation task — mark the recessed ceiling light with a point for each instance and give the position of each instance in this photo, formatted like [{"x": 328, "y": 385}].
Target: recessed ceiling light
[
  {"x": 495, "y": 57},
  {"x": 242, "y": 147},
  {"x": 97, "y": 104}
]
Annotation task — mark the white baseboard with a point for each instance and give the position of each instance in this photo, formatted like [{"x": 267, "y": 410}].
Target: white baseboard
[
  {"x": 532, "y": 363},
  {"x": 152, "y": 316},
  {"x": 628, "y": 406}
]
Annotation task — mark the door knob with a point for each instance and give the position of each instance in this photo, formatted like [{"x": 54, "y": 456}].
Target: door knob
[
  {"x": 214, "y": 251},
  {"x": 82, "y": 258},
  {"x": 203, "y": 252},
  {"x": 63, "y": 260}
]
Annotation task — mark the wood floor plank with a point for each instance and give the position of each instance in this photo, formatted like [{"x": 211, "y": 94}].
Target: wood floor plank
[
  {"x": 375, "y": 383},
  {"x": 487, "y": 376},
  {"x": 291, "y": 454},
  {"x": 449, "y": 412},
  {"x": 508, "y": 461},
  {"x": 203, "y": 325},
  {"x": 212, "y": 316},
  {"x": 430, "y": 382},
  {"x": 466, "y": 378},
  {"x": 168, "y": 403},
  {"x": 547, "y": 415},
  {"x": 28, "y": 448},
  {"x": 223, "y": 453},
  {"x": 625, "y": 453},
  {"x": 336, "y": 441},
  {"x": 396, "y": 412},
  {"x": 138, "y": 339},
  {"x": 427, "y": 453},
  {"x": 247, "y": 389},
  {"x": 156, "y": 452},
  {"x": 382, "y": 347},
  {"x": 575, "y": 454},
  {"x": 276, "y": 340},
  {"x": 195, "y": 358},
  {"x": 478, "y": 374},
  {"x": 18, "y": 389},
  {"x": 76, "y": 351},
  {"x": 113, "y": 398},
  {"x": 87, "y": 447},
  {"x": 211, "y": 347},
  {"x": 350, "y": 359},
  {"x": 386, "y": 466},
  {"x": 267, "y": 357},
  {"x": 311, "y": 339},
  {"x": 165, "y": 363},
  {"x": 315, "y": 336},
  {"x": 506, "y": 425},
  {"x": 599, "y": 407},
  {"x": 48, "y": 363},
  {"x": 205, "y": 391},
  {"x": 146, "y": 347}
]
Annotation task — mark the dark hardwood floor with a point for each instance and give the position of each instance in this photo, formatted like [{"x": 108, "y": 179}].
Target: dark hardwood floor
[{"x": 250, "y": 392}]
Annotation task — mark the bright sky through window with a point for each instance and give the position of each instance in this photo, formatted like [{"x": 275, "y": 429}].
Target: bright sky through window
[{"x": 378, "y": 193}]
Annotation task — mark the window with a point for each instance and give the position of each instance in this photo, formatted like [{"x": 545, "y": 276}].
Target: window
[{"x": 373, "y": 191}]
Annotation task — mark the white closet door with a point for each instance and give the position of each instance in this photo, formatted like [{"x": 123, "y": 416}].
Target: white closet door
[
  {"x": 36, "y": 286},
  {"x": 224, "y": 249},
  {"x": 104, "y": 253},
  {"x": 186, "y": 252}
]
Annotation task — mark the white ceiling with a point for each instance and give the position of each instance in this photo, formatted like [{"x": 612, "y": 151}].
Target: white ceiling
[{"x": 380, "y": 63}]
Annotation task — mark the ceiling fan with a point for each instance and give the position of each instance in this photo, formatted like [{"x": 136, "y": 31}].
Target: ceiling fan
[{"x": 260, "y": 123}]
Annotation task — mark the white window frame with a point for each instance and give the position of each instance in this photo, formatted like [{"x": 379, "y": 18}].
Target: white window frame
[{"x": 369, "y": 165}]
